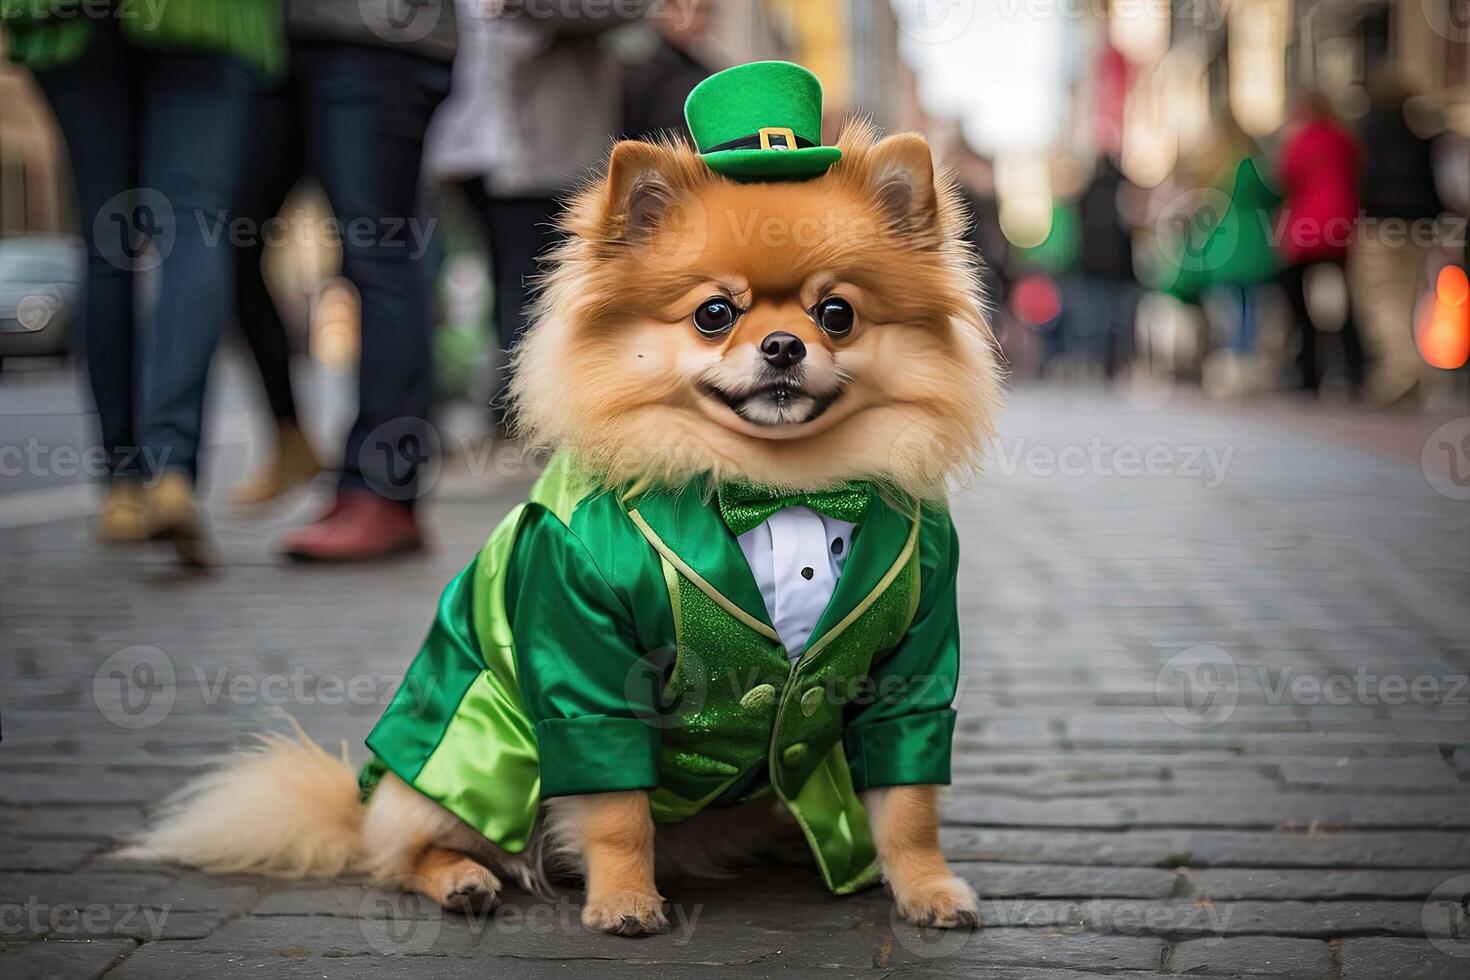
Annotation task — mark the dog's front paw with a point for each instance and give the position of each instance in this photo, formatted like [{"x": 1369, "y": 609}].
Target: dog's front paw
[
  {"x": 626, "y": 914},
  {"x": 469, "y": 887},
  {"x": 943, "y": 901}
]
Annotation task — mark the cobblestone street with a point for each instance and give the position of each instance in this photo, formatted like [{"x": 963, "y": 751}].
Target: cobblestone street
[{"x": 1214, "y": 720}]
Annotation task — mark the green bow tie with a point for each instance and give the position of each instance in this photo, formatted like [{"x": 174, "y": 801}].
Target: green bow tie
[{"x": 744, "y": 506}]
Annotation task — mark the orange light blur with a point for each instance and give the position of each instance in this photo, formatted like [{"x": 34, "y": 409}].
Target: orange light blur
[{"x": 1443, "y": 331}]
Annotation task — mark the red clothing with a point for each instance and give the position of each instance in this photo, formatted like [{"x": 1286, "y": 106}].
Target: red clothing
[{"x": 1318, "y": 171}]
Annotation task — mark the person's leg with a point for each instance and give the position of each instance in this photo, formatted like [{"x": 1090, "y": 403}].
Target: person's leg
[
  {"x": 364, "y": 112},
  {"x": 1294, "y": 284},
  {"x": 1387, "y": 279},
  {"x": 1354, "y": 354},
  {"x": 519, "y": 230},
  {"x": 272, "y": 167},
  {"x": 93, "y": 100},
  {"x": 1250, "y": 315},
  {"x": 195, "y": 118},
  {"x": 196, "y": 114}
]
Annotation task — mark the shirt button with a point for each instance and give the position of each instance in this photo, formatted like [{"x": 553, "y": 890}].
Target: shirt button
[
  {"x": 759, "y": 698},
  {"x": 793, "y": 754},
  {"x": 808, "y": 572},
  {"x": 811, "y": 701},
  {"x": 836, "y": 546}
]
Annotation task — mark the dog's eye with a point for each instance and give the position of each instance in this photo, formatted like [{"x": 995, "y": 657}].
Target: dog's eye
[
  {"x": 714, "y": 317},
  {"x": 835, "y": 316}
]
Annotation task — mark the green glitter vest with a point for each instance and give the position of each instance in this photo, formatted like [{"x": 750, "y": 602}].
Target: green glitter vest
[{"x": 743, "y": 717}]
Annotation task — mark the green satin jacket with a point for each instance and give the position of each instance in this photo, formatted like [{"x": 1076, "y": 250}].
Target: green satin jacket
[{"x": 604, "y": 642}]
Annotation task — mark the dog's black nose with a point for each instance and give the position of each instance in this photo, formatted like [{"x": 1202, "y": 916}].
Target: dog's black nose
[{"x": 782, "y": 349}]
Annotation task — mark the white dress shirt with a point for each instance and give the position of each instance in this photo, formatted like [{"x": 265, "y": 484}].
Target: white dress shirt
[{"x": 796, "y": 557}]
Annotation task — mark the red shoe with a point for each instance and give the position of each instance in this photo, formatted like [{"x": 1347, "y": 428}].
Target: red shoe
[{"x": 360, "y": 526}]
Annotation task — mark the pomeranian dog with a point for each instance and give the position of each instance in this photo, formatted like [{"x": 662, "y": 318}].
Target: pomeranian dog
[{"x": 692, "y": 332}]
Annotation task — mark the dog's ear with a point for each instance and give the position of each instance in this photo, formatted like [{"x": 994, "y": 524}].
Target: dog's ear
[
  {"x": 901, "y": 176},
  {"x": 639, "y": 190}
]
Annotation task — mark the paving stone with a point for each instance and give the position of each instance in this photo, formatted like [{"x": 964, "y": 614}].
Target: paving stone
[
  {"x": 1266, "y": 812},
  {"x": 546, "y": 932},
  {"x": 1253, "y": 955},
  {"x": 61, "y": 960},
  {"x": 102, "y": 820},
  {"x": 1034, "y": 948},
  {"x": 1228, "y": 884},
  {"x": 1212, "y": 848},
  {"x": 177, "y": 890},
  {"x": 26, "y": 854},
  {"x": 1196, "y": 917},
  {"x": 1050, "y": 881},
  {"x": 1377, "y": 957},
  {"x": 169, "y": 962}
]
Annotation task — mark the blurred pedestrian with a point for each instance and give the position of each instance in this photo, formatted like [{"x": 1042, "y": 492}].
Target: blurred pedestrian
[
  {"x": 155, "y": 114},
  {"x": 273, "y": 168},
  {"x": 1104, "y": 300},
  {"x": 1397, "y": 235},
  {"x": 537, "y": 99},
  {"x": 363, "y": 84},
  {"x": 1318, "y": 171},
  {"x": 1237, "y": 259}
]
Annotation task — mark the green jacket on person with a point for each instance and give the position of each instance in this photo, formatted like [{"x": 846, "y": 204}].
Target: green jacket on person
[{"x": 43, "y": 34}]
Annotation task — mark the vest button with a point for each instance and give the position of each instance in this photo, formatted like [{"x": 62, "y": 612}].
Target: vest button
[
  {"x": 758, "y": 698},
  {"x": 793, "y": 754},
  {"x": 811, "y": 701}
]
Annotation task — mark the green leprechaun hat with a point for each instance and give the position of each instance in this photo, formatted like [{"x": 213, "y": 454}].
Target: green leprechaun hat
[{"x": 761, "y": 121}]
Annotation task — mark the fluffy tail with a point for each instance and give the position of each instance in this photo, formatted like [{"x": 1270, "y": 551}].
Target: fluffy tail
[{"x": 286, "y": 808}]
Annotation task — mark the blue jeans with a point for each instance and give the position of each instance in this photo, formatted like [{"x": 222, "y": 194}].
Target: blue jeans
[
  {"x": 156, "y": 141},
  {"x": 363, "y": 112}
]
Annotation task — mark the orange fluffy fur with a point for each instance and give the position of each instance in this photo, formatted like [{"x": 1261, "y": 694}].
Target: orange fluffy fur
[{"x": 608, "y": 369}]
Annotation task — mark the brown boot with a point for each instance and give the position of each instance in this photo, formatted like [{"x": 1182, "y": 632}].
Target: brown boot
[
  {"x": 122, "y": 519},
  {"x": 293, "y": 465},
  {"x": 173, "y": 515},
  {"x": 359, "y": 527}
]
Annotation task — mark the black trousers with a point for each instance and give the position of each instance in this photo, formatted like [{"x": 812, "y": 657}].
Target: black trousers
[
  {"x": 1355, "y": 361},
  {"x": 354, "y": 117},
  {"x": 275, "y": 164},
  {"x": 518, "y": 231}
]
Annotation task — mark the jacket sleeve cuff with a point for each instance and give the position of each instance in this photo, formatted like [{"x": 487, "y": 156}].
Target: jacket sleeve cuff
[
  {"x": 596, "y": 754},
  {"x": 905, "y": 751}
]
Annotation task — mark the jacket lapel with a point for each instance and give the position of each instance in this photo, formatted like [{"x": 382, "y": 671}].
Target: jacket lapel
[
  {"x": 881, "y": 546},
  {"x": 686, "y": 530}
]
